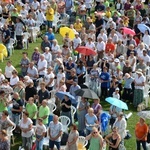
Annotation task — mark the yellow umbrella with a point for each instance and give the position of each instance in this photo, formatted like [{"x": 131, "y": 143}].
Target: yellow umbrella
[{"x": 64, "y": 30}]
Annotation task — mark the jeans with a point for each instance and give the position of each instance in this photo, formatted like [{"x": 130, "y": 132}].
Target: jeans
[
  {"x": 15, "y": 118},
  {"x": 39, "y": 144},
  {"x": 138, "y": 144},
  {"x": 52, "y": 143},
  {"x": 27, "y": 143},
  {"x": 68, "y": 12},
  {"x": 8, "y": 49},
  {"x": 49, "y": 24}
]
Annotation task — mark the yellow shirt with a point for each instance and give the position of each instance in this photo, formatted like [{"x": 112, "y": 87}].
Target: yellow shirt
[
  {"x": 78, "y": 27},
  {"x": 19, "y": 8},
  {"x": 108, "y": 14},
  {"x": 50, "y": 14}
]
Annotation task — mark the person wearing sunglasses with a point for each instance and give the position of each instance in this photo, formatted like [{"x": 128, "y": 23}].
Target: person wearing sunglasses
[
  {"x": 96, "y": 140},
  {"x": 113, "y": 139}
]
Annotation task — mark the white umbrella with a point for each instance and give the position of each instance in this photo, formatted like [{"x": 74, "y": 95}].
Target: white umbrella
[{"x": 144, "y": 114}]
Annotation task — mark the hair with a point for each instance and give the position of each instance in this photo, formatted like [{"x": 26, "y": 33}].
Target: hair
[
  {"x": 15, "y": 71},
  {"x": 62, "y": 81},
  {"x": 25, "y": 53},
  {"x": 26, "y": 113},
  {"x": 2, "y": 92},
  {"x": 61, "y": 68},
  {"x": 43, "y": 83},
  {"x": 5, "y": 112},
  {"x": 40, "y": 119},
  {"x": 74, "y": 127}
]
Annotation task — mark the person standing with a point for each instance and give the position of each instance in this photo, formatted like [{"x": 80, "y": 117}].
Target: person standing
[
  {"x": 55, "y": 133},
  {"x": 6, "y": 38},
  {"x": 141, "y": 131},
  {"x": 19, "y": 28},
  {"x": 49, "y": 16}
]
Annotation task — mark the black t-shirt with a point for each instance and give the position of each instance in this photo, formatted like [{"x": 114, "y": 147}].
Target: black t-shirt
[
  {"x": 64, "y": 108},
  {"x": 6, "y": 34},
  {"x": 16, "y": 105},
  {"x": 98, "y": 23},
  {"x": 43, "y": 95},
  {"x": 30, "y": 92}
]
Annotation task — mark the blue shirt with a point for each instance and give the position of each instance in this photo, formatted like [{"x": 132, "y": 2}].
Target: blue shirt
[
  {"x": 80, "y": 70},
  {"x": 128, "y": 83},
  {"x": 69, "y": 4},
  {"x": 105, "y": 76},
  {"x": 51, "y": 36},
  {"x": 90, "y": 121},
  {"x": 72, "y": 92}
]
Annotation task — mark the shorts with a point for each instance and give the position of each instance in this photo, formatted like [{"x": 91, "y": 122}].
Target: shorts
[{"x": 52, "y": 143}]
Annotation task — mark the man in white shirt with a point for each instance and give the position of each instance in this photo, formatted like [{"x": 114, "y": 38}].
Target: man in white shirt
[
  {"x": 35, "y": 5},
  {"x": 145, "y": 57},
  {"x": 55, "y": 133},
  {"x": 48, "y": 56},
  {"x": 76, "y": 41},
  {"x": 42, "y": 66},
  {"x": 19, "y": 28},
  {"x": 24, "y": 12},
  {"x": 100, "y": 48}
]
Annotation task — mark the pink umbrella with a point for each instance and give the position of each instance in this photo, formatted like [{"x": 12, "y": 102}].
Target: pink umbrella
[{"x": 128, "y": 31}]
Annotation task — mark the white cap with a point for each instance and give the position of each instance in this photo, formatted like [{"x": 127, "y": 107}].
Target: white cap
[
  {"x": 116, "y": 60},
  {"x": 110, "y": 19},
  {"x": 121, "y": 57}
]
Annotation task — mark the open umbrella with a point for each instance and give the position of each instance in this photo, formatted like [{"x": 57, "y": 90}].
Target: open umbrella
[
  {"x": 64, "y": 30},
  {"x": 86, "y": 51},
  {"x": 116, "y": 102},
  {"x": 13, "y": 19},
  {"x": 144, "y": 114},
  {"x": 143, "y": 28},
  {"x": 128, "y": 31},
  {"x": 61, "y": 95},
  {"x": 86, "y": 93}
]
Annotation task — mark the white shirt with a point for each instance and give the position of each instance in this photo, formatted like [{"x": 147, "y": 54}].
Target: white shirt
[
  {"x": 26, "y": 126},
  {"x": 48, "y": 57},
  {"x": 60, "y": 76},
  {"x": 40, "y": 129},
  {"x": 43, "y": 8},
  {"x": 146, "y": 39},
  {"x": 139, "y": 80},
  {"x": 104, "y": 36},
  {"x": 35, "y": 5},
  {"x": 139, "y": 52},
  {"x": 2, "y": 77},
  {"x": 90, "y": 45},
  {"x": 14, "y": 81},
  {"x": 88, "y": 3},
  {"x": 146, "y": 59},
  {"x": 55, "y": 130},
  {"x": 100, "y": 46},
  {"x": 31, "y": 23},
  {"x": 55, "y": 48},
  {"x": 41, "y": 17},
  {"x": 40, "y": 65},
  {"x": 76, "y": 42},
  {"x": 48, "y": 77},
  {"x": 8, "y": 71},
  {"x": 24, "y": 13},
  {"x": 83, "y": 7},
  {"x": 19, "y": 28},
  {"x": 116, "y": 95},
  {"x": 113, "y": 24}
]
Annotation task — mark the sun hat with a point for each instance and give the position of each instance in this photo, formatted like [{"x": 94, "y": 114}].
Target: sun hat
[
  {"x": 117, "y": 89},
  {"x": 121, "y": 57},
  {"x": 139, "y": 71}
]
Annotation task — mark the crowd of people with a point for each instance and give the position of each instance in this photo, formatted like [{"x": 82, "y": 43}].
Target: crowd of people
[{"x": 120, "y": 69}]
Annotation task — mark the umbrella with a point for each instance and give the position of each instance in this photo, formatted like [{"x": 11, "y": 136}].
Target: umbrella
[
  {"x": 143, "y": 28},
  {"x": 64, "y": 30},
  {"x": 86, "y": 51},
  {"x": 116, "y": 102},
  {"x": 61, "y": 95},
  {"x": 83, "y": 86},
  {"x": 128, "y": 31},
  {"x": 144, "y": 114},
  {"x": 13, "y": 19},
  {"x": 86, "y": 93}
]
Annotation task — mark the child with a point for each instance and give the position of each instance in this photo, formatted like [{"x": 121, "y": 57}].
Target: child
[{"x": 116, "y": 93}]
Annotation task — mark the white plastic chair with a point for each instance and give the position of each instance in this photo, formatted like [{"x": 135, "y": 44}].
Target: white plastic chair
[
  {"x": 65, "y": 123},
  {"x": 46, "y": 140},
  {"x": 73, "y": 111},
  {"x": 10, "y": 133},
  {"x": 26, "y": 36},
  {"x": 11, "y": 46},
  {"x": 52, "y": 107},
  {"x": 82, "y": 141}
]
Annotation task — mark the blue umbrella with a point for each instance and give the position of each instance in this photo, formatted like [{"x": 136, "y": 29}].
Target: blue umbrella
[
  {"x": 116, "y": 102},
  {"x": 61, "y": 95},
  {"x": 143, "y": 28}
]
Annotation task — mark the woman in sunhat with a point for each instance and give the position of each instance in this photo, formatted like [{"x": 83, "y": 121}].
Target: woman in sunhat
[{"x": 139, "y": 83}]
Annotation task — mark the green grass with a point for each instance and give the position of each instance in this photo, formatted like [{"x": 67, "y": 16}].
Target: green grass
[{"x": 16, "y": 57}]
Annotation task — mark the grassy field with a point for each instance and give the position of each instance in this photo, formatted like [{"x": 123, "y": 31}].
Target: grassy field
[{"x": 16, "y": 57}]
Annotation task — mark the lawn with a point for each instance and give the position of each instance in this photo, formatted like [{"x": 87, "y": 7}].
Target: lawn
[{"x": 16, "y": 57}]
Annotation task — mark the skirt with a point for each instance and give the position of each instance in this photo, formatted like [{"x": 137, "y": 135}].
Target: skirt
[{"x": 138, "y": 97}]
